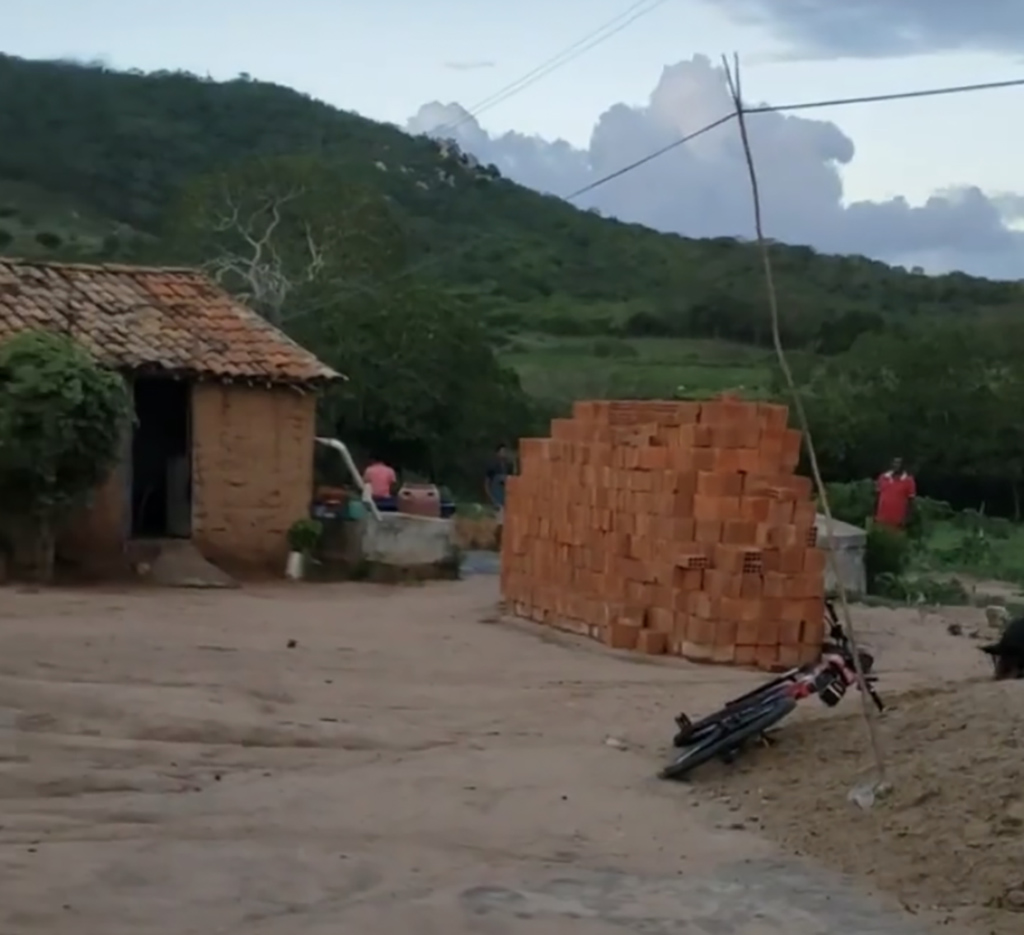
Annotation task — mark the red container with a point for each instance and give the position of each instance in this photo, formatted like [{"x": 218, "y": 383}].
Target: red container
[{"x": 420, "y": 500}]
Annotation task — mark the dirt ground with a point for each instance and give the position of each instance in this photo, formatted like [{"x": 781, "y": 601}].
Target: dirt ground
[
  {"x": 371, "y": 760},
  {"x": 948, "y": 840}
]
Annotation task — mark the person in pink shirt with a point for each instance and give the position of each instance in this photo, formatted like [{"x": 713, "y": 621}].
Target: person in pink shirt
[{"x": 382, "y": 480}]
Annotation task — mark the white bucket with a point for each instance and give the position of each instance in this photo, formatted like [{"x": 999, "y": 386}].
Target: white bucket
[{"x": 295, "y": 569}]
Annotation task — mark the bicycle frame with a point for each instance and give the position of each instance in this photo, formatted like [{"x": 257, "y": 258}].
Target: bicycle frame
[{"x": 798, "y": 683}]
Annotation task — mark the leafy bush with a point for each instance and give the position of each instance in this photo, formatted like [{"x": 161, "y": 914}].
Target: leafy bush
[
  {"x": 922, "y": 590},
  {"x": 304, "y": 535},
  {"x": 62, "y": 418},
  {"x": 49, "y": 240},
  {"x": 973, "y": 549},
  {"x": 886, "y": 555},
  {"x": 852, "y": 502},
  {"x": 925, "y": 513},
  {"x": 974, "y": 521}
]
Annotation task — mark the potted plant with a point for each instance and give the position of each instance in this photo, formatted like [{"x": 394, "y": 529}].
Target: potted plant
[{"x": 303, "y": 538}]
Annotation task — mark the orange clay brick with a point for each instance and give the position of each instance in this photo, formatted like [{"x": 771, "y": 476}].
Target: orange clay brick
[
  {"x": 809, "y": 653},
  {"x": 789, "y": 632},
  {"x": 772, "y": 416},
  {"x": 748, "y": 632},
  {"x": 751, "y": 585},
  {"x": 652, "y": 642},
  {"x": 708, "y": 531},
  {"x": 693, "y": 560},
  {"x": 791, "y": 560},
  {"x": 722, "y": 583},
  {"x": 789, "y": 657},
  {"x": 718, "y": 484},
  {"x": 767, "y": 657},
  {"x": 733, "y": 559},
  {"x": 689, "y": 579},
  {"x": 791, "y": 442},
  {"x": 815, "y": 561},
  {"x": 745, "y": 655},
  {"x": 660, "y": 620},
  {"x": 739, "y": 532},
  {"x": 621, "y": 636}
]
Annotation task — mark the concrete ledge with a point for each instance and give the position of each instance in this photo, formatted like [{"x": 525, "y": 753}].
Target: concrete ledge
[{"x": 407, "y": 541}]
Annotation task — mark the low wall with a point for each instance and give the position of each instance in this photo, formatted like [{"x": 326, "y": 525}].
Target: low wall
[
  {"x": 848, "y": 544},
  {"x": 407, "y": 541}
]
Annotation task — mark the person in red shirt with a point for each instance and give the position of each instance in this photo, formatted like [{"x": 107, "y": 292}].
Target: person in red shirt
[
  {"x": 896, "y": 492},
  {"x": 382, "y": 479}
]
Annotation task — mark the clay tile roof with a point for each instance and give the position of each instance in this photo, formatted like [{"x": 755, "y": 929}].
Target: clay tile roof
[{"x": 145, "y": 318}]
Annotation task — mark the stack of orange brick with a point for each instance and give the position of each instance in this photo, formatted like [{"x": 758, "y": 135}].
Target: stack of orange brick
[{"x": 669, "y": 527}]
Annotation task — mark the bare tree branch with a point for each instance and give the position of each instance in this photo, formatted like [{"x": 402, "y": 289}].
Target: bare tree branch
[{"x": 255, "y": 268}]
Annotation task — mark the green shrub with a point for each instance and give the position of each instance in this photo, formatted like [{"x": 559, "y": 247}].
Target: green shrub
[
  {"x": 304, "y": 535},
  {"x": 852, "y": 502},
  {"x": 886, "y": 555},
  {"x": 49, "y": 240},
  {"x": 922, "y": 590},
  {"x": 973, "y": 549}
]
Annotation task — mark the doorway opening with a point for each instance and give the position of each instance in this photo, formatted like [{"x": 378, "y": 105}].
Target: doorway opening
[{"x": 161, "y": 491}]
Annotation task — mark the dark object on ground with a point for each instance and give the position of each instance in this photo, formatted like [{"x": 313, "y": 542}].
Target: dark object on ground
[{"x": 1008, "y": 652}]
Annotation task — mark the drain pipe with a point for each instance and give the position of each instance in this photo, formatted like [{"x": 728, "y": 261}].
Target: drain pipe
[{"x": 367, "y": 497}]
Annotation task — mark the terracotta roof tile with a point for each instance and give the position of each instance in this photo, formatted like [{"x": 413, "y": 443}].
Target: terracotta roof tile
[{"x": 144, "y": 318}]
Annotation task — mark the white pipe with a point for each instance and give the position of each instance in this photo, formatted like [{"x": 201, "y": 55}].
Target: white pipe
[{"x": 367, "y": 496}]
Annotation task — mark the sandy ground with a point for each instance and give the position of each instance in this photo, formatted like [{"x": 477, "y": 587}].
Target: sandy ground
[
  {"x": 948, "y": 840},
  {"x": 370, "y": 760}
]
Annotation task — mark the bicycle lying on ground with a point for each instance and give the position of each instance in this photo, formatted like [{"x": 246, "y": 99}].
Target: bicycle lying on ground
[{"x": 723, "y": 734}]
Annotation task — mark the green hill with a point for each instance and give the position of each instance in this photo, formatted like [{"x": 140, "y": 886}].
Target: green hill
[{"x": 92, "y": 160}]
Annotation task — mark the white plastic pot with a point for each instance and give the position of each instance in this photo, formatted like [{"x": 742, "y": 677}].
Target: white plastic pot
[{"x": 295, "y": 569}]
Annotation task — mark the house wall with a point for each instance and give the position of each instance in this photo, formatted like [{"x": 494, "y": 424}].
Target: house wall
[
  {"x": 252, "y": 470},
  {"x": 94, "y": 537}
]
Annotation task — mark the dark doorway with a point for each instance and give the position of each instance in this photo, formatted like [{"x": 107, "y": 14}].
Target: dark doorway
[{"x": 161, "y": 460}]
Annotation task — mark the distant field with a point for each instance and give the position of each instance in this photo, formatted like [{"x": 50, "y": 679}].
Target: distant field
[{"x": 576, "y": 368}]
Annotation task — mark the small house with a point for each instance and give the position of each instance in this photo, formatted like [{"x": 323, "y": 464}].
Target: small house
[{"x": 221, "y": 450}]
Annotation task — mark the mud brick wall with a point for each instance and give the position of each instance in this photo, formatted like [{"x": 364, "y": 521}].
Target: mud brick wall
[
  {"x": 252, "y": 471},
  {"x": 669, "y": 527}
]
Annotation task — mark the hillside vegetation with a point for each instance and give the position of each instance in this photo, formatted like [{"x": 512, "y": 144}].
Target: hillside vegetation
[
  {"x": 407, "y": 265},
  {"x": 88, "y": 152}
]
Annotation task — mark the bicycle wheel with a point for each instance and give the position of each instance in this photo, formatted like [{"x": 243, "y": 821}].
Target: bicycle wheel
[
  {"x": 698, "y": 731},
  {"x": 752, "y": 722}
]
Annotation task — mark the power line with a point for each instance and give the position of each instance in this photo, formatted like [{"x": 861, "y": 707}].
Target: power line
[
  {"x": 594, "y": 38},
  {"x": 803, "y": 105},
  {"x": 650, "y": 157}
]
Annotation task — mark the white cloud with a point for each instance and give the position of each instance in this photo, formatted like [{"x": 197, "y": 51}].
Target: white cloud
[
  {"x": 874, "y": 28},
  {"x": 700, "y": 189}
]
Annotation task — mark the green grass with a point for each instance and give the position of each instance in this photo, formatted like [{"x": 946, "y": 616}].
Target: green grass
[
  {"x": 579, "y": 368},
  {"x": 950, "y": 548}
]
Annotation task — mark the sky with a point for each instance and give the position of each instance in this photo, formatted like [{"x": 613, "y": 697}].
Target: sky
[{"x": 932, "y": 183}]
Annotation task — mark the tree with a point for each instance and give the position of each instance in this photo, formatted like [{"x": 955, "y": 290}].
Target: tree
[
  {"x": 424, "y": 385},
  {"x": 62, "y": 418},
  {"x": 944, "y": 396},
  {"x": 272, "y": 227},
  {"x": 326, "y": 260}
]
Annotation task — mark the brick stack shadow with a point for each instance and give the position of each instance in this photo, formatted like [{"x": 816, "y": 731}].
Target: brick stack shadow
[{"x": 669, "y": 527}]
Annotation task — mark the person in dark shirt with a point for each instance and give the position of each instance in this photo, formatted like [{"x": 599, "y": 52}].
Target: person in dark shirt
[
  {"x": 499, "y": 468},
  {"x": 1007, "y": 652}
]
